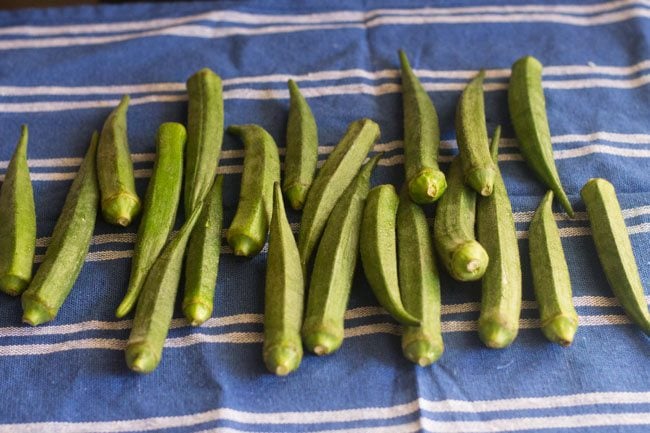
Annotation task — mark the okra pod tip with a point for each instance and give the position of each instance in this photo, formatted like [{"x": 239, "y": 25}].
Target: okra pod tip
[
  {"x": 121, "y": 208},
  {"x": 423, "y": 351},
  {"x": 481, "y": 180},
  {"x": 427, "y": 186},
  {"x": 34, "y": 312},
  {"x": 560, "y": 329},
  {"x": 282, "y": 359},
  {"x": 141, "y": 358},
  {"x": 494, "y": 334},
  {"x": 469, "y": 261},
  {"x": 321, "y": 338}
]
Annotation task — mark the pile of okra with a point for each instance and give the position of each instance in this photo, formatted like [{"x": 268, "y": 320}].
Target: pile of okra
[{"x": 472, "y": 236}]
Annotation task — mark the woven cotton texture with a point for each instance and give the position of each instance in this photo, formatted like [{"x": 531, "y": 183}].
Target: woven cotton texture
[{"x": 62, "y": 71}]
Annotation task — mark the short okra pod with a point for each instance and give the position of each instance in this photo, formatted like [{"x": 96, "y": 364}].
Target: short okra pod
[
  {"x": 68, "y": 246},
  {"x": 379, "y": 251},
  {"x": 202, "y": 262},
  {"x": 615, "y": 250},
  {"x": 302, "y": 149},
  {"x": 119, "y": 200},
  {"x": 204, "y": 135},
  {"x": 17, "y": 222},
  {"x": 426, "y": 183},
  {"x": 283, "y": 296},
  {"x": 332, "y": 179},
  {"x": 498, "y": 323},
  {"x": 419, "y": 284},
  {"x": 160, "y": 204},
  {"x": 551, "y": 280},
  {"x": 478, "y": 168},
  {"x": 454, "y": 229},
  {"x": 247, "y": 232},
  {"x": 528, "y": 113},
  {"x": 336, "y": 259},
  {"x": 155, "y": 307}
]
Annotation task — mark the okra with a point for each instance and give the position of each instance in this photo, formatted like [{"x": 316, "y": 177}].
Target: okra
[
  {"x": 419, "y": 284},
  {"x": 68, "y": 246},
  {"x": 478, "y": 168},
  {"x": 615, "y": 250},
  {"x": 119, "y": 200},
  {"x": 336, "y": 259},
  {"x": 379, "y": 251},
  {"x": 284, "y": 295},
  {"x": 249, "y": 227},
  {"x": 454, "y": 229},
  {"x": 204, "y": 135},
  {"x": 160, "y": 204},
  {"x": 551, "y": 281},
  {"x": 155, "y": 308},
  {"x": 332, "y": 179},
  {"x": 17, "y": 222},
  {"x": 498, "y": 323},
  {"x": 202, "y": 262},
  {"x": 426, "y": 183},
  {"x": 528, "y": 113},
  {"x": 302, "y": 149}
]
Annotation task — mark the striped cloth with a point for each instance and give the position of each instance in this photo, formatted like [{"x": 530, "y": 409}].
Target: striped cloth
[{"x": 62, "y": 70}]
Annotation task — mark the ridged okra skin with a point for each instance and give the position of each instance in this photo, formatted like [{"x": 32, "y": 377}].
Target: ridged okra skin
[
  {"x": 247, "y": 232},
  {"x": 284, "y": 295},
  {"x": 551, "y": 280},
  {"x": 528, "y": 114},
  {"x": 68, "y": 246},
  {"x": 336, "y": 260},
  {"x": 426, "y": 183},
  {"x": 615, "y": 250},
  {"x": 119, "y": 200},
  {"x": 419, "y": 284},
  {"x": 17, "y": 222},
  {"x": 302, "y": 149}
]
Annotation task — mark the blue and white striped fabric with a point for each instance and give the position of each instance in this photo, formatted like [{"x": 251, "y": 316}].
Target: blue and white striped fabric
[{"x": 62, "y": 70}]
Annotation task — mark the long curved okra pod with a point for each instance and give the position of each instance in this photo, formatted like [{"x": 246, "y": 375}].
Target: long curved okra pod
[
  {"x": 284, "y": 295},
  {"x": 379, "y": 251},
  {"x": 454, "y": 229},
  {"x": 528, "y": 113},
  {"x": 615, "y": 250},
  {"x": 204, "y": 135},
  {"x": 17, "y": 222},
  {"x": 302, "y": 149},
  {"x": 249, "y": 227},
  {"x": 202, "y": 262},
  {"x": 332, "y": 179},
  {"x": 419, "y": 284},
  {"x": 551, "y": 280},
  {"x": 336, "y": 259},
  {"x": 68, "y": 246},
  {"x": 119, "y": 200},
  {"x": 478, "y": 168},
  {"x": 498, "y": 323},
  {"x": 426, "y": 183},
  {"x": 160, "y": 204},
  {"x": 155, "y": 308}
]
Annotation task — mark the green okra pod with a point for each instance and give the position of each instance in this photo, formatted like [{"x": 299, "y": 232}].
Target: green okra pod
[
  {"x": 160, "y": 204},
  {"x": 284, "y": 295},
  {"x": 498, "y": 323},
  {"x": 615, "y": 250},
  {"x": 204, "y": 135},
  {"x": 249, "y": 227},
  {"x": 155, "y": 308},
  {"x": 68, "y": 246},
  {"x": 478, "y": 168},
  {"x": 202, "y": 262},
  {"x": 17, "y": 222},
  {"x": 302, "y": 149},
  {"x": 426, "y": 183},
  {"x": 419, "y": 284},
  {"x": 332, "y": 179},
  {"x": 336, "y": 259},
  {"x": 454, "y": 229},
  {"x": 551, "y": 280},
  {"x": 119, "y": 200},
  {"x": 528, "y": 113},
  {"x": 378, "y": 247}
]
